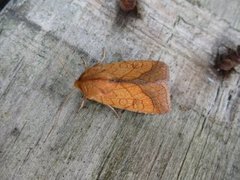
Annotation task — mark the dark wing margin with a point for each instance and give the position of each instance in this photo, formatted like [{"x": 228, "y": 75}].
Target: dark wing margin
[
  {"x": 159, "y": 94},
  {"x": 158, "y": 72}
]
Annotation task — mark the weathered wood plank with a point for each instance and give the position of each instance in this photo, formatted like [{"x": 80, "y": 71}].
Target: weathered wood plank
[
  {"x": 42, "y": 136},
  {"x": 228, "y": 12}
]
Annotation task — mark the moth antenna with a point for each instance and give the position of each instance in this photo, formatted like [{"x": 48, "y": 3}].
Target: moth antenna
[
  {"x": 84, "y": 64},
  {"x": 115, "y": 112},
  {"x": 82, "y": 104},
  {"x": 103, "y": 55},
  {"x": 55, "y": 119},
  {"x": 67, "y": 70}
]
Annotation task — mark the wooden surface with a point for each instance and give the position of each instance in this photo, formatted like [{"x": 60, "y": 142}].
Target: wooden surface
[{"x": 42, "y": 134}]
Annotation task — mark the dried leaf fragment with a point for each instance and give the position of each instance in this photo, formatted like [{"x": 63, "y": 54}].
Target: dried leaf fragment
[
  {"x": 226, "y": 62},
  {"x": 128, "y": 5}
]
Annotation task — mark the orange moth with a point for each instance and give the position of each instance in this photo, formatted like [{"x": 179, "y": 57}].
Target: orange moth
[{"x": 135, "y": 85}]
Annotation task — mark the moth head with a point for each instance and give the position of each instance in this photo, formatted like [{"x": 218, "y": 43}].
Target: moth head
[{"x": 78, "y": 84}]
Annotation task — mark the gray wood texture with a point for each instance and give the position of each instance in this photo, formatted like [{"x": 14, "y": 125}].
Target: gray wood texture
[{"x": 44, "y": 136}]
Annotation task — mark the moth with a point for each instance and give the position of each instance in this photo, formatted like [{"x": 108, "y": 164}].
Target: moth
[
  {"x": 135, "y": 85},
  {"x": 226, "y": 62}
]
